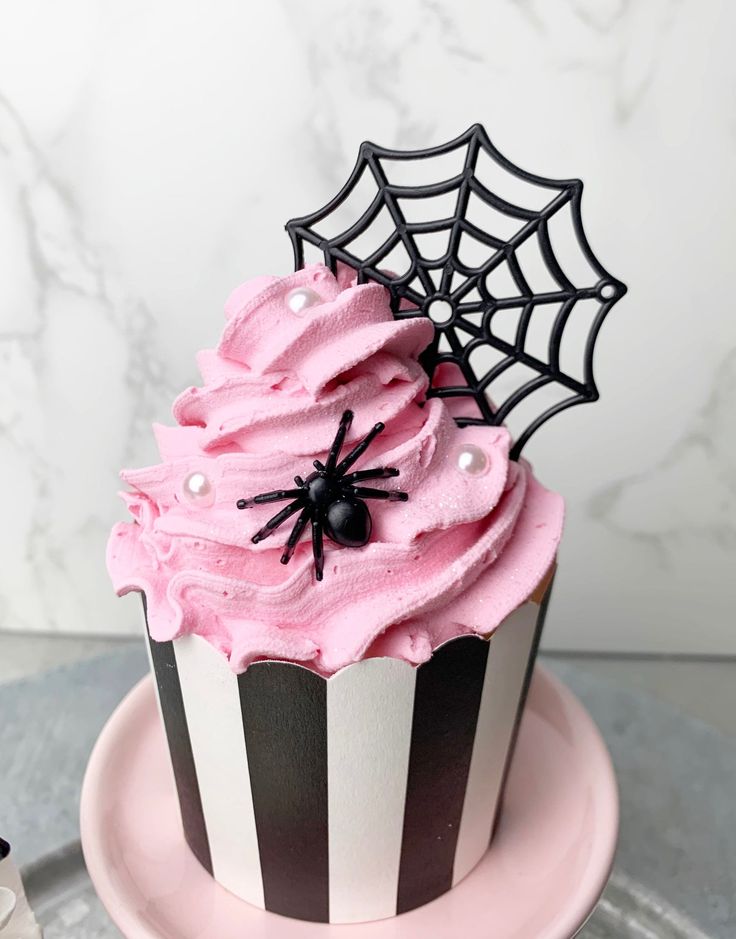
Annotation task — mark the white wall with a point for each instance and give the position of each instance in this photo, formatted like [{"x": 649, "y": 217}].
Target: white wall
[{"x": 150, "y": 154}]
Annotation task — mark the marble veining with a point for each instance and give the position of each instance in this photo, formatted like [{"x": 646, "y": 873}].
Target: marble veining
[
  {"x": 78, "y": 333},
  {"x": 150, "y": 154},
  {"x": 705, "y": 453}
]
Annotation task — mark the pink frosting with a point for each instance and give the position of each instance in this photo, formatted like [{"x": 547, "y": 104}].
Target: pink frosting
[{"x": 457, "y": 558}]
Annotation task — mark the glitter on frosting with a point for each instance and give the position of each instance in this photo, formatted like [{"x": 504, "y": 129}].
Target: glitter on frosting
[{"x": 461, "y": 554}]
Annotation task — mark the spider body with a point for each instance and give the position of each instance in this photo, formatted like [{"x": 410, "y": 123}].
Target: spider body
[
  {"x": 330, "y": 499},
  {"x": 348, "y": 522},
  {"x": 320, "y": 489}
]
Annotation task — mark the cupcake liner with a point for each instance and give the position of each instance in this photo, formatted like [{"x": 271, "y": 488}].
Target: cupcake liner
[
  {"x": 16, "y": 917},
  {"x": 349, "y": 798}
]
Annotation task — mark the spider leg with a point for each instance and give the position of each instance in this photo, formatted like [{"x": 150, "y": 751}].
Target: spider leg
[
  {"x": 345, "y": 422},
  {"x": 359, "y": 449},
  {"x": 278, "y": 495},
  {"x": 318, "y": 548},
  {"x": 296, "y": 533},
  {"x": 392, "y": 495},
  {"x": 380, "y": 472},
  {"x": 273, "y": 523}
]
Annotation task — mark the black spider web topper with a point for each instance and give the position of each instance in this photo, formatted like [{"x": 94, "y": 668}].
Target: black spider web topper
[{"x": 474, "y": 252}]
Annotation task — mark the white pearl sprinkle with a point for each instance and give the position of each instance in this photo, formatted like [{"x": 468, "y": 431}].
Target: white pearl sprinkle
[
  {"x": 301, "y": 298},
  {"x": 472, "y": 460},
  {"x": 199, "y": 490}
]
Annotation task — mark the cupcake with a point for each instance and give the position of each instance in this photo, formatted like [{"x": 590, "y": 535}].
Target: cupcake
[
  {"x": 343, "y": 593},
  {"x": 16, "y": 917},
  {"x": 343, "y": 560}
]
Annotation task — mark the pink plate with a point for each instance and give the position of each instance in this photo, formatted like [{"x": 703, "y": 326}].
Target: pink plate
[{"x": 549, "y": 864}]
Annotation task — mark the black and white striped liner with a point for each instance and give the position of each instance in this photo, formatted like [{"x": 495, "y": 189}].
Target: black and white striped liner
[{"x": 352, "y": 798}]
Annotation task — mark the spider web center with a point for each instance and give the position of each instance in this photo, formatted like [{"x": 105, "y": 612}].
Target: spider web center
[{"x": 440, "y": 311}]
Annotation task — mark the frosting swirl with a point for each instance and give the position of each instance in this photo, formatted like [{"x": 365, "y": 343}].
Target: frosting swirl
[{"x": 461, "y": 554}]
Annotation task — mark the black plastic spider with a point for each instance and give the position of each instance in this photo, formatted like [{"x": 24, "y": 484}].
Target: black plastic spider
[{"x": 330, "y": 499}]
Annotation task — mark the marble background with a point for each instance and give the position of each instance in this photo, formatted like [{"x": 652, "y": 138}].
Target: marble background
[{"x": 150, "y": 154}]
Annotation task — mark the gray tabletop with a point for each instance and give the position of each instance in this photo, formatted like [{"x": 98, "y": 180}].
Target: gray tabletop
[{"x": 675, "y": 873}]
